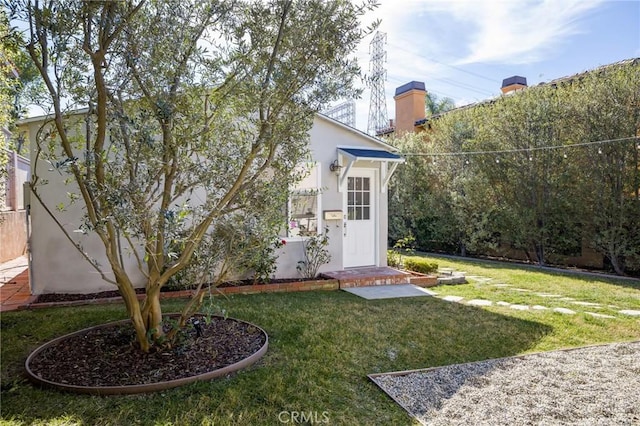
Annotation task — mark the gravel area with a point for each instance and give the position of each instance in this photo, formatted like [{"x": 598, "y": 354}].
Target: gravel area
[{"x": 597, "y": 385}]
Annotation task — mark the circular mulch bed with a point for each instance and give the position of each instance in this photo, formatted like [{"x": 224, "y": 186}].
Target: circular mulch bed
[{"x": 105, "y": 360}]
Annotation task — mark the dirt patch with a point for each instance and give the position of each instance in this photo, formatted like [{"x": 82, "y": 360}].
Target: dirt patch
[{"x": 108, "y": 356}]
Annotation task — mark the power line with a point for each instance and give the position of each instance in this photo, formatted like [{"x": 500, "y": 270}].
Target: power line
[{"x": 510, "y": 151}]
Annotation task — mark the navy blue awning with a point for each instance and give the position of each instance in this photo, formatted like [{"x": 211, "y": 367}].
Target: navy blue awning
[{"x": 371, "y": 155}]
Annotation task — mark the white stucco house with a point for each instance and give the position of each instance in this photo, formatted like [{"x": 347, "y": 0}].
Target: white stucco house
[{"x": 345, "y": 192}]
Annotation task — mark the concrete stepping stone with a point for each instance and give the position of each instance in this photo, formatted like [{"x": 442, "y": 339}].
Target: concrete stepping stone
[
  {"x": 594, "y": 314},
  {"x": 630, "y": 312},
  {"x": 502, "y": 303},
  {"x": 548, "y": 295},
  {"x": 502, "y": 285},
  {"x": 564, "y": 311},
  {"x": 522, "y": 290},
  {"x": 453, "y": 298},
  {"x": 587, "y": 304},
  {"x": 480, "y": 302},
  {"x": 479, "y": 278},
  {"x": 520, "y": 307},
  {"x": 539, "y": 308}
]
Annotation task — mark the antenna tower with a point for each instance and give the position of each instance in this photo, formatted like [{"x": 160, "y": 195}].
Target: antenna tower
[
  {"x": 344, "y": 113},
  {"x": 378, "y": 75}
]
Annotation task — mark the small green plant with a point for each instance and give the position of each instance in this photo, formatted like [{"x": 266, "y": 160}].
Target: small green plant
[
  {"x": 402, "y": 246},
  {"x": 420, "y": 265},
  {"x": 265, "y": 262},
  {"x": 315, "y": 254}
]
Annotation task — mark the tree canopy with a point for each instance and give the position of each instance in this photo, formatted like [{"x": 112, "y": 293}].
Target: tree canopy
[
  {"x": 196, "y": 114},
  {"x": 546, "y": 171}
]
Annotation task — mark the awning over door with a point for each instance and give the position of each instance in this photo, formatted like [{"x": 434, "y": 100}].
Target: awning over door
[
  {"x": 387, "y": 160},
  {"x": 370, "y": 155}
]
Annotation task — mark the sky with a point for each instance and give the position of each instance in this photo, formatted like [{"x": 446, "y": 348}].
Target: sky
[{"x": 463, "y": 49}]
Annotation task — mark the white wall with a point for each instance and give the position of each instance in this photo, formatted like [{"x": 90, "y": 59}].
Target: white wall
[
  {"x": 58, "y": 267},
  {"x": 325, "y": 138}
]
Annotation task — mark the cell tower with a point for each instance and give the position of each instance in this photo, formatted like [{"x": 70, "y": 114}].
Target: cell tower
[
  {"x": 378, "y": 75},
  {"x": 344, "y": 113}
]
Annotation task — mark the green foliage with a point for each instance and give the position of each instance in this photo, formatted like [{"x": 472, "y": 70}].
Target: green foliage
[
  {"x": 198, "y": 113},
  {"x": 404, "y": 246},
  {"x": 316, "y": 254},
  {"x": 435, "y": 105},
  {"x": 420, "y": 265},
  {"x": 264, "y": 260},
  {"x": 546, "y": 189}
]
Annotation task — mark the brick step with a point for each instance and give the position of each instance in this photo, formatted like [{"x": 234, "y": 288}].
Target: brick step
[{"x": 370, "y": 276}]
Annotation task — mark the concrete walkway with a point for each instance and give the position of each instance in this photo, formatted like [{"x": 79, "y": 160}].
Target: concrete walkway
[
  {"x": 12, "y": 268},
  {"x": 389, "y": 291},
  {"x": 14, "y": 285}
]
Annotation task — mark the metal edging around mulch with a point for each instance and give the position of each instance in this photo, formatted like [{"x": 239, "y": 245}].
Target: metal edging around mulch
[{"x": 142, "y": 388}]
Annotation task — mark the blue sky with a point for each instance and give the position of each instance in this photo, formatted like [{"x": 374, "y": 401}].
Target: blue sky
[{"x": 462, "y": 49}]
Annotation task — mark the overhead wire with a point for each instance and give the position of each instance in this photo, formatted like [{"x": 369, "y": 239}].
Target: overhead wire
[{"x": 510, "y": 151}]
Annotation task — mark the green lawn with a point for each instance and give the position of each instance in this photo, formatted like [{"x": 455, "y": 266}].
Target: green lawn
[{"x": 322, "y": 346}]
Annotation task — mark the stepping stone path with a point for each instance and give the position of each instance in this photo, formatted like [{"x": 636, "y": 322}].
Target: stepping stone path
[
  {"x": 564, "y": 311},
  {"x": 594, "y": 314},
  {"x": 479, "y": 279},
  {"x": 480, "y": 302},
  {"x": 586, "y": 304},
  {"x": 518, "y": 307}
]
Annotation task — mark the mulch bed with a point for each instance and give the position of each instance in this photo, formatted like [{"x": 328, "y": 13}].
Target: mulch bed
[
  {"x": 65, "y": 297},
  {"x": 108, "y": 356}
]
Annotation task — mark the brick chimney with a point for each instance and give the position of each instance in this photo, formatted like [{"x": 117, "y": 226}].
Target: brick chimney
[
  {"x": 410, "y": 106},
  {"x": 512, "y": 84}
]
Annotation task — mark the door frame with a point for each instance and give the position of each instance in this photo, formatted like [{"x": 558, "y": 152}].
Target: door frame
[{"x": 375, "y": 214}]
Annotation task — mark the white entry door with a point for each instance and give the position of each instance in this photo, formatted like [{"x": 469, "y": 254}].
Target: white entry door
[{"x": 359, "y": 228}]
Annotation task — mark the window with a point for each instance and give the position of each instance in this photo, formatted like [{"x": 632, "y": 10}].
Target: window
[
  {"x": 358, "y": 198},
  {"x": 303, "y": 204}
]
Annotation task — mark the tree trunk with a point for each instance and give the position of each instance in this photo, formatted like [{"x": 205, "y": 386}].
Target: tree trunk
[
  {"x": 616, "y": 262},
  {"x": 152, "y": 312}
]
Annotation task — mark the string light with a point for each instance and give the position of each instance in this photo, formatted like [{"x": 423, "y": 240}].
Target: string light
[{"x": 509, "y": 151}]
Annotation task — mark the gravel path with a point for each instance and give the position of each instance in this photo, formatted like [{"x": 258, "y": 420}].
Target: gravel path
[{"x": 597, "y": 385}]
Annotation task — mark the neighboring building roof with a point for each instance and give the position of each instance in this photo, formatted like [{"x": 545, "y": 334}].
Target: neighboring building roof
[
  {"x": 412, "y": 85},
  {"x": 516, "y": 79}
]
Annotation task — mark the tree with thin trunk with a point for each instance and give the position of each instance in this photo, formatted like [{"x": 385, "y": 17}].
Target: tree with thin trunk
[{"x": 196, "y": 116}]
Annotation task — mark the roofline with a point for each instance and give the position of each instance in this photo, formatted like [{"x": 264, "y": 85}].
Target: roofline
[
  {"x": 45, "y": 117},
  {"x": 356, "y": 131},
  {"x": 318, "y": 114}
]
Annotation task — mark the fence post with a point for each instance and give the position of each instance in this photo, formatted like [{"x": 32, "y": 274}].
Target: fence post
[{"x": 13, "y": 179}]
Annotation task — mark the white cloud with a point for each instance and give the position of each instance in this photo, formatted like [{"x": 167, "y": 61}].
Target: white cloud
[
  {"x": 427, "y": 37},
  {"x": 505, "y": 31}
]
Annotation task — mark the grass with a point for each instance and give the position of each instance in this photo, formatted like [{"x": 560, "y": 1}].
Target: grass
[{"x": 322, "y": 346}]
